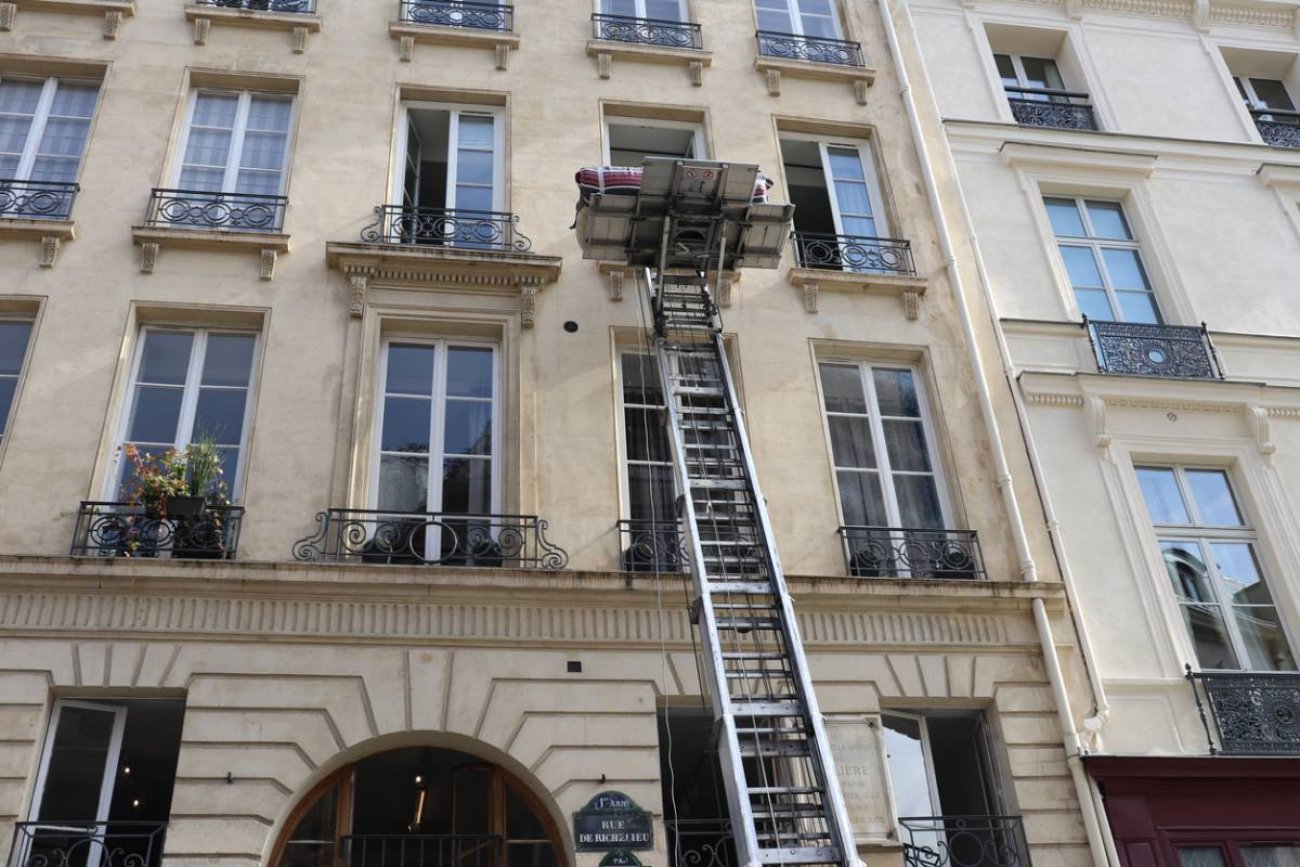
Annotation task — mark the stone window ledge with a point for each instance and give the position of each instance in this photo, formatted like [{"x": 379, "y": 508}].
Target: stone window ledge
[
  {"x": 606, "y": 51},
  {"x": 500, "y": 41},
  {"x": 859, "y": 77},
  {"x": 415, "y": 267},
  {"x": 299, "y": 24},
  {"x": 813, "y": 281},
  {"x": 151, "y": 240},
  {"x": 51, "y": 234},
  {"x": 112, "y": 10},
  {"x": 623, "y": 276}
]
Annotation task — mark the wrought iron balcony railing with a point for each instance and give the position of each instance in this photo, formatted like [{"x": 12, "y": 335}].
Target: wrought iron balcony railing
[
  {"x": 453, "y": 13},
  {"x": 1135, "y": 348},
  {"x": 1253, "y": 713},
  {"x": 1278, "y": 128},
  {"x": 964, "y": 841},
  {"x": 853, "y": 253},
  {"x": 447, "y": 227},
  {"x": 431, "y": 538},
  {"x": 651, "y": 546},
  {"x": 817, "y": 49},
  {"x": 303, "y": 6},
  {"x": 87, "y": 844},
  {"x": 36, "y": 200},
  {"x": 700, "y": 842},
  {"x": 197, "y": 209},
  {"x": 426, "y": 850},
  {"x": 1059, "y": 109},
  {"x": 903, "y": 552},
  {"x": 647, "y": 31},
  {"x": 110, "y": 529}
]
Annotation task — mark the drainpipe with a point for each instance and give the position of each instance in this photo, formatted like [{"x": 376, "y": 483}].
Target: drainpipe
[{"x": 1073, "y": 747}]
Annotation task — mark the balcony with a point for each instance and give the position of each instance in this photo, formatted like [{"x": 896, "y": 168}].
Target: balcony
[
  {"x": 853, "y": 253},
  {"x": 297, "y": 17},
  {"x": 451, "y": 22},
  {"x": 446, "y": 227},
  {"x": 431, "y": 539},
  {"x": 700, "y": 842},
  {"x": 964, "y": 841},
  {"x": 36, "y": 200},
  {"x": 1279, "y": 129},
  {"x": 1252, "y": 714},
  {"x": 196, "y": 209},
  {"x": 1057, "y": 109},
  {"x": 647, "y": 31},
  {"x": 112, "y": 529},
  {"x": 901, "y": 552},
  {"x": 813, "y": 49},
  {"x": 300, "y": 7},
  {"x": 651, "y": 546},
  {"x": 452, "y": 13},
  {"x": 1138, "y": 349},
  {"x": 94, "y": 844}
]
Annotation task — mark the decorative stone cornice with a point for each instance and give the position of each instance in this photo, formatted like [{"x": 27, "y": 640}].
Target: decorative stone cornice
[
  {"x": 1201, "y": 13},
  {"x": 298, "y": 24},
  {"x": 773, "y": 68},
  {"x": 112, "y": 10},
  {"x": 607, "y": 51},
  {"x": 501, "y": 42},
  {"x": 813, "y": 281},
  {"x": 50, "y": 233},
  {"x": 151, "y": 240}
]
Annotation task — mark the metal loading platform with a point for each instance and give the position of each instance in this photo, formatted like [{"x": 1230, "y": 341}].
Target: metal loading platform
[{"x": 690, "y": 222}]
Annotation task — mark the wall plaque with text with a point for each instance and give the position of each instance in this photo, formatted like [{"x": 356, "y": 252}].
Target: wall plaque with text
[{"x": 612, "y": 820}]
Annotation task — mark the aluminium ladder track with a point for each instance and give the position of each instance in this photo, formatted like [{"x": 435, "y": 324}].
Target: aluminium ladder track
[{"x": 691, "y": 222}]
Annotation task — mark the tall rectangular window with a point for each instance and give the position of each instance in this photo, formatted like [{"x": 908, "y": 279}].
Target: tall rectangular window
[
  {"x": 1209, "y": 554},
  {"x": 660, "y": 10},
  {"x": 44, "y": 125},
  {"x": 1102, "y": 259},
  {"x": 648, "y": 466},
  {"x": 816, "y": 18},
  {"x": 15, "y": 335},
  {"x": 190, "y": 385},
  {"x": 235, "y": 142}
]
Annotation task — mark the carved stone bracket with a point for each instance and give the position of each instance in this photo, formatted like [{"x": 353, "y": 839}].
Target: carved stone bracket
[
  {"x": 860, "y": 91},
  {"x": 405, "y": 48},
  {"x": 267, "y": 268},
  {"x": 1257, "y": 419},
  {"x": 267, "y": 245},
  {"x": 604, "y": 64},
  {"x": 697, "y": 73},
  {"x": 358, "y": 280},
  {"x": 606, "y": 52},
  {"x": 112, "y": 22},
  {"x": 49, "y": 250},
  {"x": 725, "y": 282},
  {"x": 811, "y": 289},
  {"x": 8, "y": 12},
  {"x": 299, "y": 37},
  {"x": 774, "y": 82},
  {"x": 149, "y": 256},
  {"x": 616, "y": 284},
  {"x": 528, "y": 304},
  {"x": 503, "y": 56},
  {"x": 201, "y": 28},
  {"x": 1095, "y": 409},
  {"x": 911, "y": 305}
]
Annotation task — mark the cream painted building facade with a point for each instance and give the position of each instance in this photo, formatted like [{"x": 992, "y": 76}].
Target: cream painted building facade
[
  {"x": 1124, "y": 179},
  {"x": 191, "y": 250}
]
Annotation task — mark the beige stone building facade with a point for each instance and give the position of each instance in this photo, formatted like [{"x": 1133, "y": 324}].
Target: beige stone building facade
[{"x": 444, "y": 607}]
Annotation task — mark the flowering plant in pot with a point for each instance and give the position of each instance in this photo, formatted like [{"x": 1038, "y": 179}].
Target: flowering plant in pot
[{"x": 176, "y": 483}]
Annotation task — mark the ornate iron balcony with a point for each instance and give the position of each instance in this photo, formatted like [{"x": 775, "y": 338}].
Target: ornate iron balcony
[
  {"x": 36, "y": 200},
  {"x": 903, "y": 552},
  {"x": 426, "y": 850},
  {"x": 647, "y": 31},
  {"x": 651, "y": 546},
  {"x": 95, "y": 844},
  {"x": 853, "y": 253},
  {"x": 1059, "y": 109},
  {"x": 1134, "y": 348},
  {"x": 453, "y": 13},
  {"x": 431, "y": 538},
  {"x": 964, "y": 841},
  {"x": 110, "y": 529},
  {"x": 1281, "y": 129},
  {"x": 304, "y": 6},
  {"x": 447, "y": 227},
  {"x": 700, "y": 842},
  {"x": 196, "y": 209},
  {"x": 816, "y": 49},
  {"x": 1255, "y": 714}
]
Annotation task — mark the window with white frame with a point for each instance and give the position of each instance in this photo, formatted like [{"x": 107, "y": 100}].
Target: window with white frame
[
  {"x": 1102, "y": 259},
  {"x": 647, "y": 459},
  {"x": 44, "y": 126},
  {"x": 15, "y": 335},
  {"x": 235, "y": 142},
  {"x": 660, "y": 10},
  {"x": 1209, "y": 552},
  {"x": 839, "y": 217},
  {"x": 189, "y": 385},
  {"x": 629, "y": 140},
  {"x": 815, "y": 18},
  {"x": 1263, "y": 94},
  {"x": 1025, "y": 76}
]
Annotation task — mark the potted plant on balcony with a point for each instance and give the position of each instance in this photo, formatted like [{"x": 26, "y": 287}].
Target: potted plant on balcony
[{"x": 178, "y": 487}]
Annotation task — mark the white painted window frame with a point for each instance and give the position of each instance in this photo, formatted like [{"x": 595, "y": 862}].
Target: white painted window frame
[
  {"x": 1018, "y": 64},
  {"x": 455, "y": 111},
  {"x": 796, "y": 18},
  {"x": 682, "y": 12},
  {"x": 1095, "y": 244},
  {"x": 874, "y": 190},
  {"x": 697, "y": 132},
  {"x": 1248, "y": 87},
  {"x": 20, "y": 376},
  {"x": 236, "y": 152},
  {"x": 624, "y": 461},
  {"x": 41, "y": 117},
  {"x": 110, "y": 760}
]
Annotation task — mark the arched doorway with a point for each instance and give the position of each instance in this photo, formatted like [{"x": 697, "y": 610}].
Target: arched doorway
[{"x": 419, "y": 807}]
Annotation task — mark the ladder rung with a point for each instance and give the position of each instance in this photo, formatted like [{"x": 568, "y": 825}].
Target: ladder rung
[
  {"x": 749, "y": 623},
  {"x": 801, "y": 855},
  {"x": 752, "y": 654},
  {"x": 723, "y": 586},
  {"x": 785, "y": 790},
  {"x": 767, "y": 708},
  {"x": 784, "y": 811},
  {"x": 720, "y": 484}
]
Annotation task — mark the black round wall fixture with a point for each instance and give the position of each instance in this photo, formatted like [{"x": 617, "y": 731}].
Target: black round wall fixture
[{"x": 570, "y": 326}]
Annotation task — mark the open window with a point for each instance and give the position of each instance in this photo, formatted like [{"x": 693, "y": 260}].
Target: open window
[
  {"x": 629, "y": 140},
  {"x": 696, "y": 821},
  {"x": 1269, "y": 85},
  {"x": 1041, "y": 76}
]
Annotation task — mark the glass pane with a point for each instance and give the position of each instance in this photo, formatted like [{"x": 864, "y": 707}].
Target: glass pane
[
  {"x": 1281, "y": 855},
  {"x": 647, "y": 436},
  {"x": 156, "y": 416},
  {"x": 853, "y": 199},
  {"x": 208, "y": 147},
  {"x": 1209, "y": 637},
  {"x": 619, "y": 7},
  {"x": 1213, "y": 497},
  {"x": 1266, "y": 645},
  {"x": 318, "y": 823},
  {"x": 212, "y": 109},
  {"x": 410, "y": 369},
  {"x": 166, "y": 357},
  {"x": 20, "y": 97},
  {"x": 641, "y": 379},
  {"x": 64, "y": 137},
  {"x": 664, "y": 10},
  {"x": 1272, "y": 94},
  {"x": 851, "y": 444},
  {"x": 896, "y": 393},
  {"x": 1201, "y": 856},
  {"x": 220, "y": 415},
  {"x": 467, "y": 429},
  {"x": 1006, "y": 69},
  {"x": 1164, "y": 500},
  {"x": 845, "y": 164},
  {"x": 650, "y": 493},
  {"x": 1064, "y": 214},
  {"x": 263, "y": 150},
  {"x": 861, "y": 500},
  {"x": 406, "y": 424},
  {"x": 918, "y": 502},
  {"x": 13, "y": 346},
  {"x": 228, "y": 360},
  {"x": 8, "y": 385},
  {"x": 472, "y": 199},
  {"x": 774, "y": 15},
  {"x": 269, "y": 114},
  {"x": 1108, "y": 220},
  {"x": 76, "y": 764},
  {"x": 905, "y": 442},
  {"x": 403, "y": 483},
  {"x": 476, "y": 131},
  {"x": 469, "y": 372},
  {"x": 202, "y": 180},
  {"x": 842, "y": 387},
  {"x": 1094, "y": 304},
  {"x": 1081, "y": 266},
  {"x": 1186, "y": 568},
  {"x": 1138, "y": 307},
  {"x": 908, "y": 773},
  {"x": 1243, "y": 584},
  {"x": 1042, "y": 72},
  {"x": 1124, "y": 268},
  {"x": 467, "y": 486},
  {"x": 474, "y": 167}
]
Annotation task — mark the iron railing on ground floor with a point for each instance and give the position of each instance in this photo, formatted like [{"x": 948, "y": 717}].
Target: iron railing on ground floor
[
  {"x": 51, "y": 843},
  {"x": 651, "y": 546},
  {"x": 700, "y": 843}
]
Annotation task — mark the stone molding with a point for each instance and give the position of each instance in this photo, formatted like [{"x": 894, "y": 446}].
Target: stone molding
[
  {"x": 298, "y": 24},
  {"x": 1201, "y": 13},
  {"x": 860, "y": 78},
  {"x": 151, "y": 240},
  {"x": 407, "y": 35},
  {"x": 50, "y": 233},
  {"x": 812, "y": 281},
  {"x": 607, "y": 51},
  {"x": 112, "y": 10}
]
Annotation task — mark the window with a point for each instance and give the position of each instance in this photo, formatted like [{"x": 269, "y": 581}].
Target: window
[
  {"x": 1102, "y": 259},
  {"x": 1209, "y": 554},
  {"x": 647, "y": 457},
  {"x": 235, "y": 142},
  {"x": 815, "y": 18},
  {"x": 1022, "y": 76},
  {"x": 44, "y": 125},
  {"x": 628, "y": 141},
  {"x": 833, "y": 187},
  {"x": 660, "y": 10},
  {"x": 1262, "y": 94},
  {"x": 190, "y": 385},
  {"x": 15, "y": 334}
]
